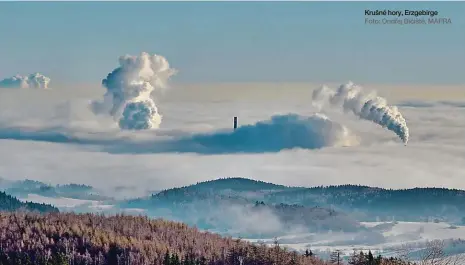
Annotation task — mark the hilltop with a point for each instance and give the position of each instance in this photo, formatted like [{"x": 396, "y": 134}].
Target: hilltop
[
  {"x": 237, "y": 183},
  {"x": 225, "y": 186}
]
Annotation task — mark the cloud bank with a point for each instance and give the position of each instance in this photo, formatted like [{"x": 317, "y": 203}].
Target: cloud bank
[
  {"x": 438, "y": 141},
  {"x": 431, "y": 104},
  {"x": 281, "y": 132},
  {"x": 36, "y": 80},
  {"x": 368, "y": 106},
  {"x": 278, "y": 133},
  {"x": 131, "y": 89}
]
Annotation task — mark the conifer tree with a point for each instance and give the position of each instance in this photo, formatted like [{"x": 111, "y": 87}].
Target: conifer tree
[
  {"x": 167, "y": 259},
  {"x": 371, "y": 260}
]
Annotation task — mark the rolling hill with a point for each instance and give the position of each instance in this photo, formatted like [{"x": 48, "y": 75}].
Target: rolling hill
[
  {"x": 229, "y": 204},
  {"x": 22, "y": 188},
  {"x": 362, "y": 203},
  {"x": 372, "y": 204},
  {"x": 232, "y": 206},
  {"x": 67, "y": 238}
]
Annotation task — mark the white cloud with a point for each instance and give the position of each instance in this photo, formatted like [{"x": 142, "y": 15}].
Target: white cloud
[
  {"x": 31, "y": 81},
  {"x": 131, "y": 90}
]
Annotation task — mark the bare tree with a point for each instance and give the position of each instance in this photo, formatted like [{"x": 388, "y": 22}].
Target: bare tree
[{"x": 433, "y": 254}]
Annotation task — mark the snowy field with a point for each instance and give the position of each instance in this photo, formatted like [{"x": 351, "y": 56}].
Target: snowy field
[
  {"x": 60, "y": 202},
  {"x": 399, "y": 237}
]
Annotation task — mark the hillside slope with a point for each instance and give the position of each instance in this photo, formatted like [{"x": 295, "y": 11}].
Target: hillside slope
[
  {"x": 22, "y": 188},
  {"x": 10, "y": 203},
  {"x": 231, "y": 206},
  {"x": 370, "y": 204},
  {"x": 361, "y": 202},
  {"x": 94, "y": 239}
]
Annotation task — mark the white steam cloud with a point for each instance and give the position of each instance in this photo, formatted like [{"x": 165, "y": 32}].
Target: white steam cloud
[
  {"x": 36, "y": 80},
  {"x": 279, "y": 133},
  {"x": 131, "y": 90},
  {"x": 368, "y": 106}
]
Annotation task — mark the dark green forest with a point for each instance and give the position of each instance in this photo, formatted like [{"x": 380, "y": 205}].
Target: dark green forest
[{"x": 10, "y": 203}]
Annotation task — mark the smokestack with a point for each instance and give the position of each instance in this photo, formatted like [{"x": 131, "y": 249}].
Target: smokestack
[{"x": 235, "y": 123}]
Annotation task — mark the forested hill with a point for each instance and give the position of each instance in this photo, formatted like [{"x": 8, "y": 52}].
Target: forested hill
[
  {"x": 241, "y": 184},
  {"x": 21, "y": 188},
  {"x": 231, "y": 206},
  {"x": 231, "y": 185},
  {"x": 241, "y": 190},
  {"x": 416, "y": 204},
  {"x": 66, "y": 238},
  {"x": 10, "y": 203},
  {"x": 370, "y": 203}
]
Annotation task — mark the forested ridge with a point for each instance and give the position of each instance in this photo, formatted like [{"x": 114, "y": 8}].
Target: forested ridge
[
  {"x": 414, "y": 204},
  {"x": 67, "y": 238},
  {"x": 78, "y": 239},
  {"x": 368, "y": 203},
  {"x": 21, "y": 188},
  {"x": 10, "y": 203}
]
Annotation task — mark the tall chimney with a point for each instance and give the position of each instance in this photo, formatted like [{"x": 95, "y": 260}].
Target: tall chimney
[{"x": 235, "y": 123}]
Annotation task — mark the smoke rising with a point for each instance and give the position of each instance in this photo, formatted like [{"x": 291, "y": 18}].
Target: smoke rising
[
  {"x": 131, "y": 91},
  {"x": 36, "y": 80},
  {"x": 368, "y": 106}
]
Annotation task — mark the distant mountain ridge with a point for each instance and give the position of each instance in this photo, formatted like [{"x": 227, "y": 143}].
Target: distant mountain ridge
[
  {"x": 21, "y": 189},
  {"x": 371, "y": 203},
  {"x": 231, "y": 184},
  {"x": 237, "y": 197},
  {"x": 238, "y": 183},
  {"x": 232, "y": 205},
  {"x": 363, "y": 202},
  {"x": 239, "y": 188}
]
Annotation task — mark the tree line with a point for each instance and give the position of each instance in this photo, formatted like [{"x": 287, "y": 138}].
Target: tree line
[{"x": 91, "y": 239}]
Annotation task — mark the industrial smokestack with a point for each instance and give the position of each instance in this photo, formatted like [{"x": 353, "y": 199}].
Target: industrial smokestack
[{"x": 235, "y": 123}]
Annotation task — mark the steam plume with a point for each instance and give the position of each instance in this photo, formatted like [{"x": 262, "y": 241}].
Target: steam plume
[
  {"x": 31, "y": 81},
  {"x": 131, "y": 90},
  {"x": 368, "y": 106}
]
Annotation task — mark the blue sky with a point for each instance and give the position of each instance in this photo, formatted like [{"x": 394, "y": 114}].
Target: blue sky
[{"x": 233, "y": 41}]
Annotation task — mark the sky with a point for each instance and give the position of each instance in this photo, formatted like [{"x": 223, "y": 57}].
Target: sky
[{"x": 80, "y": 42}]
